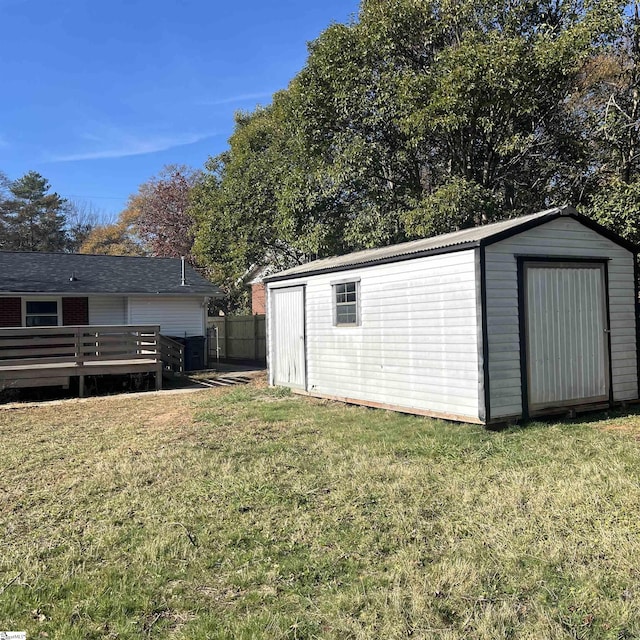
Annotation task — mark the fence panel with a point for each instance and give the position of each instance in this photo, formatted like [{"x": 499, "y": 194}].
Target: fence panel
[{"x": 238, "y": 338}]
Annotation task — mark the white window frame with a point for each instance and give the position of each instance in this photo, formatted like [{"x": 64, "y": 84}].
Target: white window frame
[
  {"x": 56, "y": 299},
  {"x": 336, "y": 304}
]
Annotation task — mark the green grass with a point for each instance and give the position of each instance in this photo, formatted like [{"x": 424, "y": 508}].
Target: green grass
[{"x": 252, "y": 513}]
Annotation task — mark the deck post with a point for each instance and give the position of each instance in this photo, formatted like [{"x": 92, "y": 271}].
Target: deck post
[
  {"x": 81, "y": 386},
  {"x": 78, "y": 345},
  {"x": 159, "y": 376}
]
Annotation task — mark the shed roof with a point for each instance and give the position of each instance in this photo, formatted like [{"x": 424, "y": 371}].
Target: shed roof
[
  {"x": 76, "y": 273},
  {"x": 446, "y": 243}
]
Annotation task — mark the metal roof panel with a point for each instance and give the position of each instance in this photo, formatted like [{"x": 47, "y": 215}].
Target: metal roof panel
[{"x": 456, "y": 239}]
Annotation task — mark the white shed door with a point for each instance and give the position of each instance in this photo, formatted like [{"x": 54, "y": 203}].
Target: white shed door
[
  {"x": 288, "y": 337},
  {"x": 566, "y": 327}
]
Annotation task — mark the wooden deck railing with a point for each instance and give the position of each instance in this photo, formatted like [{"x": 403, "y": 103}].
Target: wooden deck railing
[
  {"x": 172, "y": 353},
  {"x": 78, "y": 344},
  {"x": 42, "y": 356}
]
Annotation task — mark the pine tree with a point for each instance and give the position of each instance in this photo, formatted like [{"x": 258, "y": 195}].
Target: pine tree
[{"x": 31, "y": 218}]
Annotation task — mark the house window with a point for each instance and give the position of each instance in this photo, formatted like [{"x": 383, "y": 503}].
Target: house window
[
  {"x": 346, "y": 303},
  {"x": 41, "y": 313}
]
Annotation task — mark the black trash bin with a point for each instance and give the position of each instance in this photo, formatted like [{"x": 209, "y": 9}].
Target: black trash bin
[{"x": 194, "y": 356}]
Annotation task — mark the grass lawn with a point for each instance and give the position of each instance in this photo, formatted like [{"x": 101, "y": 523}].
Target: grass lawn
[{"x": 252, "y": 513}]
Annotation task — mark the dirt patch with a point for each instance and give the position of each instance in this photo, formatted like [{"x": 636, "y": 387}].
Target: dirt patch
[
  {"x": 171, "y": 417},
  {"x": 627, "y": 425},
  {"x": 625, "y": 428}
]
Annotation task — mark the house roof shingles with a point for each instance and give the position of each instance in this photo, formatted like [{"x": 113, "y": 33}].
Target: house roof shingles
[{"x": 75, "y": 273}]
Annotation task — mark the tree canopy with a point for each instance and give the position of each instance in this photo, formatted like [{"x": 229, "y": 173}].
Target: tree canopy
[
  {"x": 119, "y": 238},
  {"x": 427, "y": 116},
  {"x": 156, "y": 221},
  {"x": 164, "y": 220}
]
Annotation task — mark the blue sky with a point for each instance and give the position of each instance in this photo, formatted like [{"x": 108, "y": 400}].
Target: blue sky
[{"x": 99, "y": 95}]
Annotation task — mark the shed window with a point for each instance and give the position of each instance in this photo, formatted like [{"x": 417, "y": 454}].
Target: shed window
[
  {"x": 41, "y": 313},
  {"x": 346, "y": 303}
]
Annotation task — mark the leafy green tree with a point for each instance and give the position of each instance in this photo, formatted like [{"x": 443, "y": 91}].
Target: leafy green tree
[
  {"x": 618, "y": 208},
  {"x": 422, "y": 116},
  {"x": 241, "y": 206},
  {"x": 609, "y": 103},
  {"x": 33, "y": 219},
  {"x": 418, "y": 93},
  {"x": 456, "y": 204}
]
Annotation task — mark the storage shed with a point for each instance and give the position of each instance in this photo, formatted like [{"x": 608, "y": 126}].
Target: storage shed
[{"x": 514, "y": 319}]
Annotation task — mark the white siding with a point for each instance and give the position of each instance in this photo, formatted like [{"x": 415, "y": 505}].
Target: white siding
[
  {"x": 416, "y": 346},
  {"x": 180, "y": 317},
  {"x": 107, "y": 310},
  {"x": 560, "y": 237}
]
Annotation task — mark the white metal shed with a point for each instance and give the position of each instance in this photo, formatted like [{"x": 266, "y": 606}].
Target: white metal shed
[{"x": 519, "y": 318}]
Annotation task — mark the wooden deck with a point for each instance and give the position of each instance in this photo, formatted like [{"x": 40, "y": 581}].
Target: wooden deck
[{"x": 51, "y": 356}]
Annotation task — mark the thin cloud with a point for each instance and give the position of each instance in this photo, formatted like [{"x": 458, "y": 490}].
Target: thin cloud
[
  {"x": 245, "y": 97},
  {"x": 131, "y": 146}
]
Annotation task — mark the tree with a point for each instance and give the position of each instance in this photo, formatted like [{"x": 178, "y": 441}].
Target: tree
[
  {"x": 163, "y": 217},
  {"x": 119, "y": 238},
  {"x": 609, "y": 103},
  {"x": 419, "y": 94},
  {"x": 457, "y": 204},
  {"x": 618, "y": 208},
  {"x": 33, "y": 219},
  {"x": 241, "y": 205},
  {"x": 620, "y": 95},
  {"x": 418, "y": 118},
  {"x": 156, "y": 221},
  {"x": 81, "y": 219}
]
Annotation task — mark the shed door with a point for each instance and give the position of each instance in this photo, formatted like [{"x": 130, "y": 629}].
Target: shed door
[
  {"x": 288, "y": 337},
  {"x": 566, "y": 333}
]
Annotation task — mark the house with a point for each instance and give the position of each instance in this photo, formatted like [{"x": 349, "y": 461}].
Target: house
[
  {"x": 43, "y": 292},
  {"x": 58, "y": 289},
  {"x": 258, "y": 298},
  {"x": 254, "y": 278},
  {"x": 514, "y": 319}
]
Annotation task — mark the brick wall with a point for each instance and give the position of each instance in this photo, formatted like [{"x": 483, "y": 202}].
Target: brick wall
[
  {"x": 10, "y": 312},
  {"x": 257, "y": 298},
  {"x": 75, "y": 311}
]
